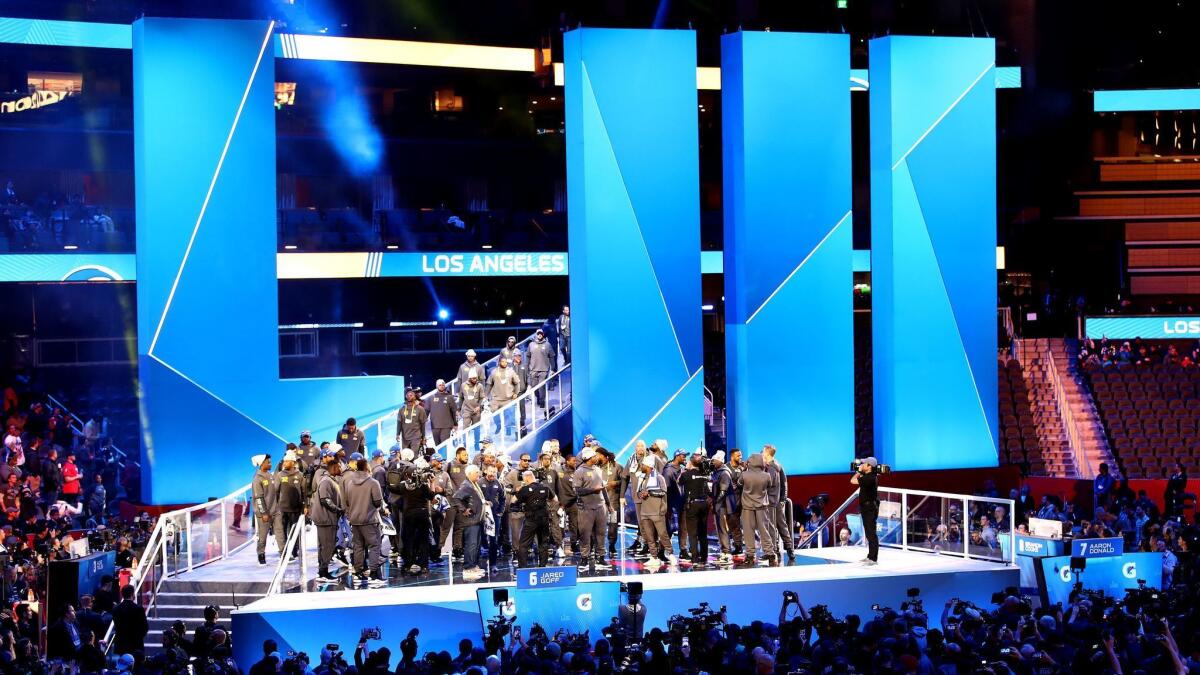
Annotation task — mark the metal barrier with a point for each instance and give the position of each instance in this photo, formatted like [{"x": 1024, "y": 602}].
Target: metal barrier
[
  {"x": 385, "y": 426},
  {"x": 929, "y": 522},
  {"x": 295, "y": 542},
  {"x": 185, "y": 539},
  {"x": 1083, "y": 468},
  {"x": 77, "y": 427}
]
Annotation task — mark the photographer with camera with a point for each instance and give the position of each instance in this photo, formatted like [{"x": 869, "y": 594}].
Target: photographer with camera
[
  {"x": 867, "y": 480},
  {"x": 415, "y": 493}
]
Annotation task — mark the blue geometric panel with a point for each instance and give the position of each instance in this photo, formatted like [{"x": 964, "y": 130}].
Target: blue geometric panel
[
  {"x": 933, "y": 234},
  {"x": 788, "y": 245},
  {"x": 208, "y": 345},
  {"x": 634, "y": 213}
]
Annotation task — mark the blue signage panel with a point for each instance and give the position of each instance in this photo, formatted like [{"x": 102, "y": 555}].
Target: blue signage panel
[
  {"x": 589, "y": 607},
  {"x": 206, "y": 246},
  {"x": 1038, "y": 547},
  {"x": 1148, "y": 327},
  {"x": 788, "y": 245},
  {"x": 1113, "y": 575},
  {"x": 1107, "y": 547},
  {"x": 547, "y": 577},
  {"x": 634, "y": 226},
  {"x": 1135, "y": 100},
  {"x": 67, "y": 267},
  {"x": 933, "y": 259}
]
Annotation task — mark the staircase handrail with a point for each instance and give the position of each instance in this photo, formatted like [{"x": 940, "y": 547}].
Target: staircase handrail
[
  {"x": 155, "y": 554},
  {"x": 451, "y": 386},
  {"x": 1067, "y": 416},
  {"x": 285, "y": 558},
  {"x": 818, "y": 538}
]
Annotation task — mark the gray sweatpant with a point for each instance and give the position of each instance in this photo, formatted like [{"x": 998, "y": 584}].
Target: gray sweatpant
[
  {"x": 366, "y": 548},
  {"x": 653, "y": 530},
  {"x": 593, "y": 527},
  {"x": 326, "y": 541},
  {"x": 758, "y": 521},
  {"x": 782, "y": 526}
]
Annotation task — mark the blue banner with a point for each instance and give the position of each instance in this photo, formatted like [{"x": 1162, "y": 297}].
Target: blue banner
[
  {"x": 67, "y": 267},
  {"x": 1147, "y": 327},
  {"x": 1097, "y": 548},
  {"x": 1038, "y": 547},
  {"x": 547, "y": 577},
  {"x": 787, "y": 150},
  {"x": 1113, "y": 575},
  {"x": 586, "y": 607},
  {"x": 933, "y": 170}
]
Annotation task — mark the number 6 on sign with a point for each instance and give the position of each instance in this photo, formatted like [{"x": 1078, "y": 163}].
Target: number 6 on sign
[{"x": 533, "y": 578}]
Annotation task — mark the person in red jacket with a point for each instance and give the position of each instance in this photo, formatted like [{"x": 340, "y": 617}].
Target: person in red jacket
[{"x": 71, "y": 476}]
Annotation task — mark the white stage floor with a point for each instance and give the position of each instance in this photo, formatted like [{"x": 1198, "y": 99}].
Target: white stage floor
[{"x": 819, "y": 565}]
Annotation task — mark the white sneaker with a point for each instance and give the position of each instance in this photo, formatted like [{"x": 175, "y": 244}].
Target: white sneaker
[
  {"x": 472, "y": 574},
  {"x": 377, "y": 583},
  {"x": 652, "y": 564},
  {"x": 867, "y": 562}
]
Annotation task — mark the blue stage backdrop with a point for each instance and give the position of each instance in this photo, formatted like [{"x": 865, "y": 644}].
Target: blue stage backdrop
[
  {"x": 634, "y": 207},
  {"x": 933, "y": 240},
  {"x": 788, "y": 246},
  {"x": 208, "y": 343}
]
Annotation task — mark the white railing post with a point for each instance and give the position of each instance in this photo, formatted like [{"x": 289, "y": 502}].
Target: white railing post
[
  {"x": 188, "y": 516},
  {"x": 224, "y": 532},
  {"x": 966, "y": 528},
  {"x": 303, "y": 556},
  {"x": 903, "y": 521}
]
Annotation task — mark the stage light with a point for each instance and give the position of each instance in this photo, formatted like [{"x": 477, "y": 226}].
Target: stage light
[
  {"x": 443, "y": 314},
  {"x": 487, "y": 247},
  {"x": 289, "y": 247},
  {"x": 70, "y": 247},
  {"x": 392, "y": 247},
  {"x": 508, "y": 312},
  {"x": 706, "y": 308}
]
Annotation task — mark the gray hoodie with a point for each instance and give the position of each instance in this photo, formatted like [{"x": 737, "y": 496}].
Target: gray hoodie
[
  {"x": 364, "y": 496},
  {"x": 757, "y": 484},
  {"x": 264, "y": 491},
  {"x": 327, "y": 491},
  {"x": 539, "y": 356}
]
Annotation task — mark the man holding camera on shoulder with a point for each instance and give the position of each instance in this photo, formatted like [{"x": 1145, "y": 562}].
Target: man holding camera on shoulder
[{"x": 866, "y": 477}]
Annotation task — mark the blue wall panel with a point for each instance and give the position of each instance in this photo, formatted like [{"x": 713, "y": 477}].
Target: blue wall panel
[
  {"x": 634, "y": 214},
  {"x": 788, "y": 246},
  {"x": 933, "y": 238},
  {"x": 208, "y": 345}
]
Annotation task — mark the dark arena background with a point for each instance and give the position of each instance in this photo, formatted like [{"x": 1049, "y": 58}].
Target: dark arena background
[{"x": 843, "y": 336}]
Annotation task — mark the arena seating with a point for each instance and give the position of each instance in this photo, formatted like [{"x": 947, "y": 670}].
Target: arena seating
[
  {"x": 1020, "y": 441},
  {"x": 1151, "y": 415}
]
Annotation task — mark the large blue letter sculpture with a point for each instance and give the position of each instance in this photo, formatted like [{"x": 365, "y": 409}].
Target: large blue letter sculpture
[
  {"x": 933, "y": 248},
  {"x": 208, "y": 343},
  {"x": 634, "y": 207},
  {"x": 788, "y": 246}
]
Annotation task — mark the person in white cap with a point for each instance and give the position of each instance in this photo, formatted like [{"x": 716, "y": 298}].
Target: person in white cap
[
  {"x": 289, "y": 499},
  {"x": 468, "y": 367},
  {"x": 632, "y": 467},
  {"x": 503, "y": 386},
  {"x": 650, "y": 492},
  {"x": 263, "y": 493},
  {"x": 589, "y": 484},
  {"x": 470, "y": 400},
  {"x": 443, "y": 413}
]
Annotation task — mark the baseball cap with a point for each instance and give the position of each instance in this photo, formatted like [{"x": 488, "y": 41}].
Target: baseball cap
[
  {"x": 304, "y": 433},
  {"x": 871, "y": 461},
  {"x": 356, "y": 456},
  {"x": 471, "y": 352},
  {"x": 440, "y": 382},
  {"x": 407, "y": 454},
  {"x": 125, "y": 663},
  {"x": 376, "y": 453},
  {"x": 587, "y": 454},
  {"x": 588, "y": 438},
  {"x": 327, "y": 452},
  {"x": 698, "y": 451},
  {"x": 540, "y": 331},
  {"x": 680, "y": 452}
]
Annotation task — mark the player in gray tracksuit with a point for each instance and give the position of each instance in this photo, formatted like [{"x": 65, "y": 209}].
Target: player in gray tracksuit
[
  {"x": 757, "y": 485},
  {"x": 779, "y": 501},
  {"x": 326, "y": 509},
  {"x": 650, "y": 488},
  {"x": 470, "y": 401},
  {"x": 540, "y": 356},
  {"x": 364, "y": 499},
  {"x": 589, "y": 484},
  {"x": 263, "y": 492}
]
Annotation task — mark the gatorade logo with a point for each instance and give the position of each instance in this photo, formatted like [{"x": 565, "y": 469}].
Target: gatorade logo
[
  {"x": 1064, "y": 573},
  {"x": 509, "y": 608},
  {"x": 584, "y": 602},
  {"x": 1129, "y": 570}
]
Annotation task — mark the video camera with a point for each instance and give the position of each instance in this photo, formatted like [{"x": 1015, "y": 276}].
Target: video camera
[
  {"x": 881, "y": 468},
  {"x": 914, "y": 602},
  {"x": 296, "y": 663},
  {"x": 414, "y": 477},
  {"x": 700, "y": 621},
  {"x": 825, "y": 622},
  {"x": 704, "y": 465}
]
